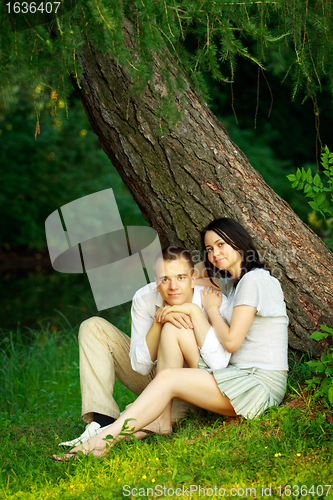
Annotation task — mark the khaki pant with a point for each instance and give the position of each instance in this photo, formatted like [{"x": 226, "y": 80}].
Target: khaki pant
[{"x": 104, "y": 356}]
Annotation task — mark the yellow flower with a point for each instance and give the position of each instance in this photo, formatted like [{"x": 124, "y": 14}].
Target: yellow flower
[
  {"x": 276, "y": 455},
  {"x": 266, "y": 447},
  {"x": 157, "y": 458},
  {"x": 144, "y": 476},
  {"x": 298, "y": 454},
  {"x": 153, "y": 480}
]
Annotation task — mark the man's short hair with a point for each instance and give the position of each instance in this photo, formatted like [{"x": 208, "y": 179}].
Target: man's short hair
[{"x": 173, "y": 253}]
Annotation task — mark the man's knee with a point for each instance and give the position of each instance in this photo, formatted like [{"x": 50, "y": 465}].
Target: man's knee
[
  {"x": 90, "y": 327},
  {"x": 98, "y": 331},
  {"x": 170, "y": 328},
  {"x": 171, "y": 331},
  {"x": 164, "y": 375}
]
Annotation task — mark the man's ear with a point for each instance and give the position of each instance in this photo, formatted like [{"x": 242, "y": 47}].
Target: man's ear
[
  {"x": 193, "y": 278},
  {"x": 157, "y": 285}
]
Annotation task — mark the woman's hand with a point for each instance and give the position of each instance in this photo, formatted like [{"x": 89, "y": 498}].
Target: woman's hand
[{"x": 211, "y": 298}]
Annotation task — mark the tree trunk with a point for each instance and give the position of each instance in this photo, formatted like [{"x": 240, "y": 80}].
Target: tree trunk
[{"x": 183, "y": 179}]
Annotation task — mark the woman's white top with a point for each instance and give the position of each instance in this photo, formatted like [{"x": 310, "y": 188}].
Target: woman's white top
[{"x": 266, "y": 343}]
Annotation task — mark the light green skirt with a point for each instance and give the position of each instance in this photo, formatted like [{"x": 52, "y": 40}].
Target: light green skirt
[{"x": 250, "y": 390}]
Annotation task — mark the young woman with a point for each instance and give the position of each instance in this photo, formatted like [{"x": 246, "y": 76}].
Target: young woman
[{"x": 256, "y": 333}]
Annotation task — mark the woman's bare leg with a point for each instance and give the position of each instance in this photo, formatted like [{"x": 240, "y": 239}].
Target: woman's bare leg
[{"x": 193, "y": 385}]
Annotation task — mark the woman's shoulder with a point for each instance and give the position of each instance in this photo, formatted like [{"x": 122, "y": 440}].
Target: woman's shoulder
[
  {"x": 263, "y": 290},
  {"x": 256, "y": 274},
  {"x": 259, "y": 277}
]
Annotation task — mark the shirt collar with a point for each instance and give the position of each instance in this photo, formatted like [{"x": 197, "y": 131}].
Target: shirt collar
[{"x": 159, "y": 301}]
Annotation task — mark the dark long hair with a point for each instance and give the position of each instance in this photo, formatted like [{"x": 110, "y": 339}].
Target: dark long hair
[{"x": 234, "y": 234}]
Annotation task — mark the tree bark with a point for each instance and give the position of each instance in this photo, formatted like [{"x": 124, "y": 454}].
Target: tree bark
[{"x": 183, "y": 179}]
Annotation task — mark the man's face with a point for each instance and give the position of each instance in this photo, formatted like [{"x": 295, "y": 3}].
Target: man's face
[{"x": 175, "y": 281}]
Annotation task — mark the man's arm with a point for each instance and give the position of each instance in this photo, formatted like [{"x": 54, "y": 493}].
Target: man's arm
[
  {"x": 153, "y": 339},
  {"x": 212, "y": 351},
  {"x": 146, "y": 331},
  {"x": 142, "y": 316},
  {"x": 198, "y": 319},
  {"x": 178, "y": 319}
]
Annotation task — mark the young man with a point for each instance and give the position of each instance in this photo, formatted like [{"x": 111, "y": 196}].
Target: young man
[{"x": 107, "y": 353}]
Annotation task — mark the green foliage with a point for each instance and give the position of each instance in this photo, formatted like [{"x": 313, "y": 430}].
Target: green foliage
[
  {"x": 41, "y": 174},
  {"x": 201, "y": 35},
  {"x": 313, "y": 187},
  {"x": 264, "y": 121},
  {"x": 322, "y": 382},
  {"x": 40, "y": 369},
  {"x": 289, "y": 445}
]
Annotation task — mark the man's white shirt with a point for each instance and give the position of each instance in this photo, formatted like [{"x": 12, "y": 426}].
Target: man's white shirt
[{"x": 145, "y": 303}]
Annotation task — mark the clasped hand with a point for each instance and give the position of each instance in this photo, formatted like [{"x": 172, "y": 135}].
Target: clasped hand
[{"x": 177, "y": 315}]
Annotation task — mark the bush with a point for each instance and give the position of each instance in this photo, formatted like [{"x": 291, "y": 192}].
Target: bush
[
  {"x": 321, "y": 195},
  {"x": 322, "y": 382}
]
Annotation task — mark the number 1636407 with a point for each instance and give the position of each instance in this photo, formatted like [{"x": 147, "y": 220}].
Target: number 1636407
[
  {"x": 32, "y": 7},
  {"x": 295, "y": 490}
]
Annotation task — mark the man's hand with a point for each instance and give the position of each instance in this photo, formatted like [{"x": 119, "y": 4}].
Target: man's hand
[
  {"x": 185, "y": 309},
  {"x": 211, "y": 299},
  {"x": 178, "y": 319}
]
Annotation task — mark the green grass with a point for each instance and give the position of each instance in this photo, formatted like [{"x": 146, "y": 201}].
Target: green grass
[{"x": 40, "y": 404}]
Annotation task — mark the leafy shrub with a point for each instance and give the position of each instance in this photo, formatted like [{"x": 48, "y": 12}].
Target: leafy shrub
[
  {"x": 40, "y": 175},
  {"x": 322, "y": 382},
  {"x": 321, "y": 195}
]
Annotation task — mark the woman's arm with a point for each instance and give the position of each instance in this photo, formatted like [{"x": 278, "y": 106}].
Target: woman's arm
[{"x": 242, "y": 316}]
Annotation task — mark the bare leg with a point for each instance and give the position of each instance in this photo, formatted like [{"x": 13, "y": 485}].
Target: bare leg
[
  {"x": 176, "y": 345},
  {"x": 196, "y": 386}
]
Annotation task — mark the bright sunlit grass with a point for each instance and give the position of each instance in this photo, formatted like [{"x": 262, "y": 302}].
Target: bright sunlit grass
[{"x": 40, "y": 405}]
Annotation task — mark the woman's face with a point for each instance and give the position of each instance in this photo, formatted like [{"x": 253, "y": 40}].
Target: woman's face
[{"x": 222, "y": 255}]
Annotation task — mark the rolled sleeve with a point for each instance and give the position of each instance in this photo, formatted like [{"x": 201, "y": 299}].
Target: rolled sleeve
[
  {"x": 142, "y": 313},
  {"x": 140, "y": 357},
  {"x": 213, "y": 352}
]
